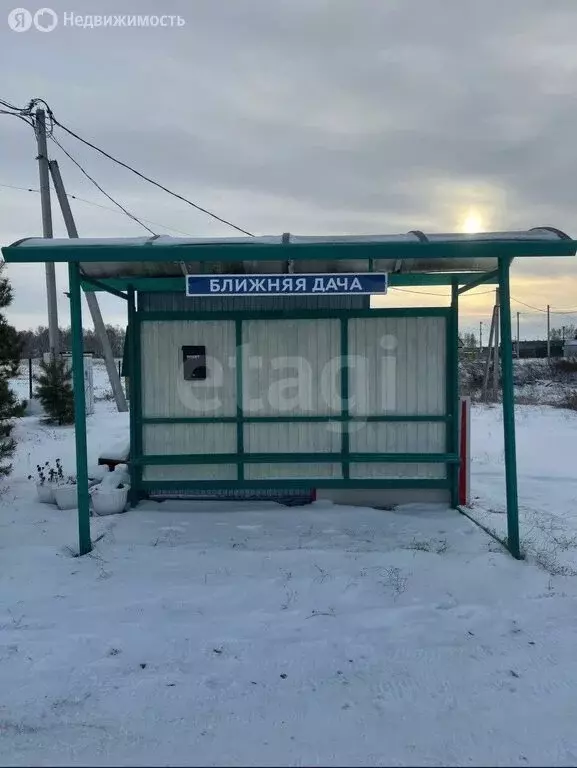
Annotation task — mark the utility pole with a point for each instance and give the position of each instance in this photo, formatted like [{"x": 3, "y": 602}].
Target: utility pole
[
  {"x": 91, "y": 299},
  {"x": 485, "y": 389},
  {"x": 548, "y": 333},
  {"x": 518, "y": 338},
  {"x": 40, "y": 129},
  {"x": 496, "y": 358},
  {"x": 481, "y": 337}
]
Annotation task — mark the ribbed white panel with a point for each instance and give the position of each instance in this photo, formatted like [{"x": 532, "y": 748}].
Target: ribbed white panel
[
  {"x": 291, "y": 367},
  {"x": 397, "y": 365},
  {"x": 397, "y": 437},
  {"x": 164, "y": 390},
  {"x": 294, "y": 471},
  {"x": 292, "y": 438},
  {"x": 167, "y": 439},
  {"x": 402, "y": 471},
  {"x": 191, "y": 472}
]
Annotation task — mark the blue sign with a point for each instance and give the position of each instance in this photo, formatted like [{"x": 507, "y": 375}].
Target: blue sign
[{"x": 286, "y": 285}]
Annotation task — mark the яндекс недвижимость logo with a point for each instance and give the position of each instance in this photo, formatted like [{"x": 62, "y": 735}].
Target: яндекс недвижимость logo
[{"x": 21, "y": 20}]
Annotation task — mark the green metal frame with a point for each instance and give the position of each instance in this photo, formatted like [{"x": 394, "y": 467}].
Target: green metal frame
[
  {"x": 345, "y": 458},
  {"x": 502, "y": 250},
  {"x": 239, "y": 398},
  {"x": 84, "y": 538},
  {"x": 453, "y": 391},
  {"x": 345, "y": 415},
  {"x": 389, "y": 417},
  {"x": 395, "y": 280},
  {"x": 256, "y": 250},
  {"x": 92, "y": 284},
  {"x": 134, "y": 383},
  {"x": 301, "y": 484},
  {"x": 484, "y": 279},
  {"x": 509, "y": 409},
  {"x": 296, "y": 314}
]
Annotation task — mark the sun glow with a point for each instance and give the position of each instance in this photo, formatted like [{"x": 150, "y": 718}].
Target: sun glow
[{"x": 472, "y": 223}]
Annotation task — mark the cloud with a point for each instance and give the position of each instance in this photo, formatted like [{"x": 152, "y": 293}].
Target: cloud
[{"x": 308, "y": 116}]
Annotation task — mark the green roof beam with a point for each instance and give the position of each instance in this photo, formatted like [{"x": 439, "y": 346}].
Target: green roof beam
[
  {"x": 178, "y": 284},
  {"x": 258, "y": 251},
  {"x": 488, "y": 277}
]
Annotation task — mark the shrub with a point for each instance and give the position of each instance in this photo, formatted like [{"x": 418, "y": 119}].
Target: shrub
[
  {"x": 54, "y": 390},
  {"x": 569, "y": 401},
  {"x": 564, "y": 366},
  {"x": 10, "y": 406}
]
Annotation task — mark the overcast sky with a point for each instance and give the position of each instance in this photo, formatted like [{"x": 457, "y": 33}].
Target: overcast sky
[{"x": 309, "y": 117}]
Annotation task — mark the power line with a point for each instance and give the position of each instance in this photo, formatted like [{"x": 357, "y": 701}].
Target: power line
[
  {"x": 27, "y": 111},
  {"x": 419, "y": 293},
  {"x": 97, "y": 185},
  {"x": 467, "y": 295},
  {"x": 544, "y": 311},
  {"x": 16, "y": 114},
  {"x": 10, "y": 106},
  {"x": 99, "y": 205},
  {"x": 149, "y": 180},
  {"x": 442, "y": 295},
  {"x": 538, "y": 309}
]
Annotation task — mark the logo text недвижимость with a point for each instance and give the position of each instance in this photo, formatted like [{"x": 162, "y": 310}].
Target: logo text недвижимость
[{"x": 46, "y": 20}]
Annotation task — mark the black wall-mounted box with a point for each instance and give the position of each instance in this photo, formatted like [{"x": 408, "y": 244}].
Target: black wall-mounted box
[{"x": 194, "y": 363}]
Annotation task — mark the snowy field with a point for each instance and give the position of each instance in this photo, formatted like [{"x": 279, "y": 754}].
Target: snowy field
[{"x": 247, "y": 634}]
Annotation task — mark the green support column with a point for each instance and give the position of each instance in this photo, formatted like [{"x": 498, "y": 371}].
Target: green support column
[
  {"x": 509, "y": 410},
  {"x": 453, "y": 386},
  {"x": 345, "y": 424},
  {"x": 134, "y": 378},
  {"x": 84, "y": 541},
  {"x": 239, "y": 399}
]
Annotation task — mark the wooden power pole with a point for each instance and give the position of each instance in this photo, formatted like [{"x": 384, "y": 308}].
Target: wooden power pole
[
  {"x": 51, "y": 297},
  {"x": 548, "y": 333},
  {"x": 485, "y": 389},
  {"x": 496, "y": 358},
  {"x": 91, "y": 299}
]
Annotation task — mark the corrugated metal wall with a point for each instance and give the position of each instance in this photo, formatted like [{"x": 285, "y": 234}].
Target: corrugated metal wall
[
  {"x": 189, "y": 438},
  {"x": 285, "y": 365},
  {"x": 164, "y": 390},
  {"x": 291, "y": 382},
  {"x": 190, "y": 472},
  {"x": 292, "y": 367},
  {"x": 166, "y": 393},
  {"x": 397, "y": 366},
  {"x": 405, "y": 371}
]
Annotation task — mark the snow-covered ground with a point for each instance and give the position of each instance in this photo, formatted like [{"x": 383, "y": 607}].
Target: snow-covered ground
[
  {"x": 536, "y": 381},
  {"x": 225, "y": 633},
  {"x": 102, "y": 389},
  {"x": 547, "y": 480}
]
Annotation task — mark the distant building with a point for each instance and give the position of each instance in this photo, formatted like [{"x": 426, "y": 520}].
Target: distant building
[{"x": 537, "y": 349}]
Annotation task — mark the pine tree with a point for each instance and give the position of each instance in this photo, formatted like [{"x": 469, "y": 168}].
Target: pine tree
[
  {"x": 54, "y": 390},
  {"x": 10, "y": 406}
]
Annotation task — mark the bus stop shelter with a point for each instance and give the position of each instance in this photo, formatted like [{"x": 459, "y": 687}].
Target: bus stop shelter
[{"x": 193, "y": 301}]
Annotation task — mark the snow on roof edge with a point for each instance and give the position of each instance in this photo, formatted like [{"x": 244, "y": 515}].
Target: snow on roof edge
[{"x": 536, "y": 234}]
